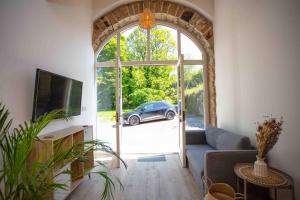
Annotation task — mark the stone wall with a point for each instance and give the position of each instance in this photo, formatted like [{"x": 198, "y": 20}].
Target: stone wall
[{"x": 187, "y": 18}]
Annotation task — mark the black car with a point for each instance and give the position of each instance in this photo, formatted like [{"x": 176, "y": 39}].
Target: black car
[{"x": 149, "y": 112}]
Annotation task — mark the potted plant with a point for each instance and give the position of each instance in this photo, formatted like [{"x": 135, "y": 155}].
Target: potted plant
[
  {"x": 266, "y": 137},
  {"x": 21, "y": 180}
]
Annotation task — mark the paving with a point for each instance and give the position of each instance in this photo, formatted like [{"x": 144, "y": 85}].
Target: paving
[{"x": 150, "y": 137}]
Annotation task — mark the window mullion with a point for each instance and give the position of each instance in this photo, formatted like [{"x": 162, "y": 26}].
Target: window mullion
[
  {"x": 178, "y": 43},
  {"x": 148, "y": 45},
  {"x": 118, "y": 46}
]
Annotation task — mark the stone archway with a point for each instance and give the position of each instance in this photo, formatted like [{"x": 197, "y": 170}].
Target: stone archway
[{"x": 165, "y": 11}]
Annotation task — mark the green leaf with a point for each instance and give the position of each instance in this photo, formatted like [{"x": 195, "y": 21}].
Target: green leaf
[{"x": 35, "y": 181}]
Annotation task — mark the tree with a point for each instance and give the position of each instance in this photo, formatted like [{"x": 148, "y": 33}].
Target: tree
[
  {"x": 106, "y": 77},
  {"x": 106, "y": 87},
  {"x": 149, "y": 83},
  {"x": 194, "y": 93},
  {"x": 139, "y": 84},
  {"x": 162, "y": 44},
  {"x": 136, "y": 44},
  {"x": 109, "y": 51}
]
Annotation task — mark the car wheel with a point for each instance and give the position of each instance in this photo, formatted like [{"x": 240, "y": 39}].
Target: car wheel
[
  {"x": 170, "y": 115},
  {"x": 134, "y": 120}
]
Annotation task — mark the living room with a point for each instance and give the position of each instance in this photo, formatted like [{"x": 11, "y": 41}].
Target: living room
[{"x": 250, "y": 65}]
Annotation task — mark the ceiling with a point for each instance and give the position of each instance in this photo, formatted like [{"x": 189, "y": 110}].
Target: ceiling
[{"x": 205, "y": 7}]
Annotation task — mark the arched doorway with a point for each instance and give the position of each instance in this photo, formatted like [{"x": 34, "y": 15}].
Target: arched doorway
[
  {"x": 198, "y": 26},
  {"x": 187, "y": 39}
]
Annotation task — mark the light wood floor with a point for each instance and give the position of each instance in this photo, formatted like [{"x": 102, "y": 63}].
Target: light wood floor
[{"x": 164, "y": 180}]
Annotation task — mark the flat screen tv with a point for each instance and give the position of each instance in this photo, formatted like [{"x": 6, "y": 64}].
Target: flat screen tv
[{"x": 53, "y": 92}]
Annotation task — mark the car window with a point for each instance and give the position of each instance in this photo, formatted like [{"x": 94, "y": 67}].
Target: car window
[
  {"x": 149, "y": 107},
  {"x": 159, "y": 105},
  {"x": 140, "y": 107}
]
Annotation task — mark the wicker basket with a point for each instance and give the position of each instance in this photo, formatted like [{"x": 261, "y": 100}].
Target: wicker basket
[{"x": 220, "y": 191}]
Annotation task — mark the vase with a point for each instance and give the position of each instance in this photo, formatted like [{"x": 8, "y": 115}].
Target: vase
[{"x": 260, "y": 167}]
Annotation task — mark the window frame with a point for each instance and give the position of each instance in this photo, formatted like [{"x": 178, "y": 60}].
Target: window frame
[{"x": 149, "y": 62}]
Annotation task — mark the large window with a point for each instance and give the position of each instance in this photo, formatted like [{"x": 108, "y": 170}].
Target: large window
[
  {"x": 189, "y": 49},
  {"x": 163, "y": 43},
  {"x": 137, "y": 44},
  {"x": 194, "y": 96},
  {"x": 158, "y": 44},
  {"x": 136, "y": 50},
  {"x": 109, "y": 51}
]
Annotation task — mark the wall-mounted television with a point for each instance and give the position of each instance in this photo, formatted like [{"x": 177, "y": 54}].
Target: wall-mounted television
[{"x": 53, "y": 91}]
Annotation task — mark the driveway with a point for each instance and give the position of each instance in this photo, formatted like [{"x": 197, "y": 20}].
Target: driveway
[{"x": 150, "y": 137}]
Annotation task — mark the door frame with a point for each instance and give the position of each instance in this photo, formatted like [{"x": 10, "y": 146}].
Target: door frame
[
  {"x": 182, "y": 111},
  {"x": 118, "y": 99},
  {"x": 119, "y": 64}
]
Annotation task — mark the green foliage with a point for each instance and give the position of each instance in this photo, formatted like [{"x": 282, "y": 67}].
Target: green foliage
[
  {"x": 139, "y": 84},
  {"x": 34, "y": 180},
  {"x": 109, "y": 116},
  {"x": 194, "y": 93},
  {"x": 146, "y": 83},
  {"x": 162, "y": 44},
  {"x": 193, "y": 80},
  {"x": 163, "y": 47},
  {"x": 136, "y": 44},
  {"x": 109, "y": 51},
  {"x": 106, "y": 86}
]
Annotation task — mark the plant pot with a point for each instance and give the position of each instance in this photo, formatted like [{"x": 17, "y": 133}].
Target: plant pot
[{"x": 260, "y": 167}]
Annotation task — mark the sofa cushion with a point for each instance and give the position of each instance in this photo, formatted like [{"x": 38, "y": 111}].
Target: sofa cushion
[
  {"x": 195, "y": 156},
  {"x": 195, "y": 137},
  {"x": 212, "y": 133},
  {"x": 232, "y": 141},
  {"x": 199, "y": 147}
]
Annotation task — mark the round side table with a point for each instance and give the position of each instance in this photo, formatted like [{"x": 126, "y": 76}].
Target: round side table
[{"x": 275, "y": 180}]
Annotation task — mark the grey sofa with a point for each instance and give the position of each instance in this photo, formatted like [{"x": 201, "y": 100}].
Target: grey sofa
[{"x": 214, "y": 152}]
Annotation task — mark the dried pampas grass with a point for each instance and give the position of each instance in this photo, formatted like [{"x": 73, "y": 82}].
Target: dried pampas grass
[{"x": 267, "y": 135}]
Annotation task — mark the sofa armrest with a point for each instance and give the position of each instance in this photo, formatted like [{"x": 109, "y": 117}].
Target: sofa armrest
[
  {"x": 195, "y": 137},
  {"x": 219, "y": 165}
]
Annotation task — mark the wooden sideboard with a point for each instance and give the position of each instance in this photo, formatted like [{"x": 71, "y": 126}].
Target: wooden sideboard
[{"x": 61, "y": 140}]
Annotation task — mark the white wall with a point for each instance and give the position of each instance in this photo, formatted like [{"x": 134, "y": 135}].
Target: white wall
[
  {"x": 54, "y": 35},
  {"x": 257, "y": 50},
  {"x": 206, "y": 7}
]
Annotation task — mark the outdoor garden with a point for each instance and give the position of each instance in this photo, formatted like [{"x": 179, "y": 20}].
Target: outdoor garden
[{"x": 142, "y": 84}]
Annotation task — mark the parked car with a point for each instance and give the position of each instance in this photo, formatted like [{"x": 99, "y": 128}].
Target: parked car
[{"x": 149, "y": 112}]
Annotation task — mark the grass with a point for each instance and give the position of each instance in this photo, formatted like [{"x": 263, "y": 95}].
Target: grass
[{"x": 109, "y": 116}]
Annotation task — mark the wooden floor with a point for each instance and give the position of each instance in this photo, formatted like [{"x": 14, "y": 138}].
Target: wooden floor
[{"x": 150, "y": 180}]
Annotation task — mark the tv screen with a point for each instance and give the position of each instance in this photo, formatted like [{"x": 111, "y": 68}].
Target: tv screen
[{"x": 53, "y": 91}]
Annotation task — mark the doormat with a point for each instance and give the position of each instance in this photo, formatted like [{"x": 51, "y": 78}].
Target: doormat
[{"x": 158, "y": 158}]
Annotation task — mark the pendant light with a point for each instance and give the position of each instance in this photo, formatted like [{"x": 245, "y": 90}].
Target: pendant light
[{"x": 147, "y": 19}]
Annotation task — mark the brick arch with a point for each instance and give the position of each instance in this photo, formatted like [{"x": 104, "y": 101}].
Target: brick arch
[{"x": 172, "y": 13}]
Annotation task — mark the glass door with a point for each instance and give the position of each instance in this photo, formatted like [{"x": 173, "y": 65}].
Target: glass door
[
  {"x": 194, "y": 97},
  {"x": 181, "y": 110},
  {"x": 109, "y": 109},
  {"x": 119, "y": 118},
  {"x": 106, "y": 105}
]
